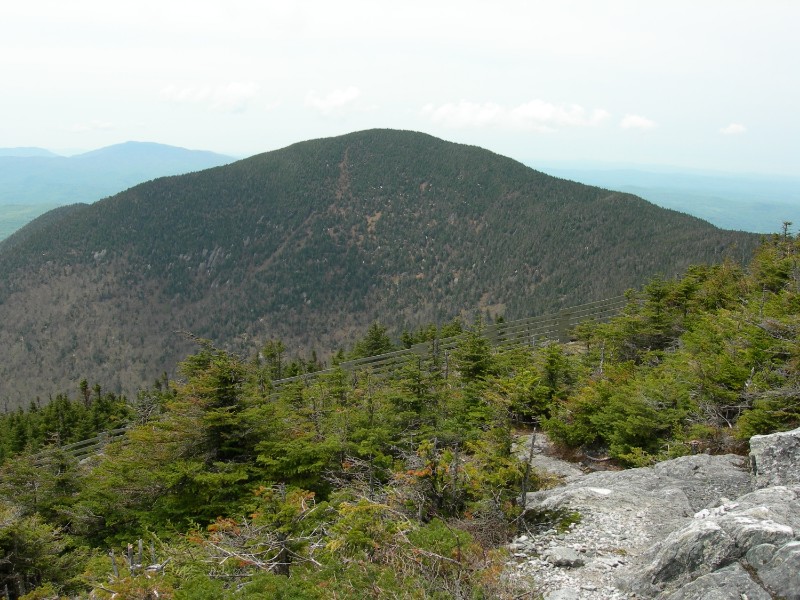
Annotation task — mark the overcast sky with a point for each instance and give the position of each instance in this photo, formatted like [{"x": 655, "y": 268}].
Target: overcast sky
[{"x": 708, "y": 84}]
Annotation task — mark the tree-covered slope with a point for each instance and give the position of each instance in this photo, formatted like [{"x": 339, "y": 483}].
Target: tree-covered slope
[
  {"x": 406, "y": 485},
  {"x": 16, "y": 233},
  {"x": 313, "y": 242}
]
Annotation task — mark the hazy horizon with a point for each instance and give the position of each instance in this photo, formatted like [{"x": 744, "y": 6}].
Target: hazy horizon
[
  {"x": 693, "y": 85},
  {"x": 536, "y": 163},
  {"x": 744, "y": 201}
]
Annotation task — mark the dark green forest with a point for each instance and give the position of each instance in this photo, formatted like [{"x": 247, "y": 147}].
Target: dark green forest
[
  {"x": 349, "y": 485},
  {"x": 312, "y": 243}
]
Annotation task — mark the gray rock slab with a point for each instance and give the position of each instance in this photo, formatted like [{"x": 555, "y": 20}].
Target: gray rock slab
[
  {"x": 775, "y": 458},
  {"x": 542, "y": 459},
  {"x": 781, "y": 575},
  {"x": 724, "y": 584},
  {"x": 759, "y": 556},
  {"x": 755, "y": 527},
  {"x": 698, "y": 549},
  {"x": 696, "y": 527}
]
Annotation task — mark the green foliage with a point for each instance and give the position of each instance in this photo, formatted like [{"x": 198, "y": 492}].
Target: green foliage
[
  {"x": 375, "y": 342},
  {"x": 693, "y": 363},
  {"x": 203, "y": 588},
  {"x": 62, "y": 420},
  {"x": 430, "y": 333},
  {"x": 359, "y": 485},
  {"x": 344, "y": 469},
  {"x": 473, "y": 356},
  {"x": 533, "y": 391},
  {"x": 43, "y": 484},
  {"x": 33, "y": 553}
]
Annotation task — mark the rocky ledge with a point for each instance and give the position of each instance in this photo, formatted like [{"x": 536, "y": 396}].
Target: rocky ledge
[{"x": 697, "y": 527}]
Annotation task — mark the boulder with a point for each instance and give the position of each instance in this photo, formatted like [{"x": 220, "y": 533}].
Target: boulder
[
  {"x": 664, "y": 496},
  {"x": 697, "y": 527},
  {"x": 756, "y": 531},
  {"x": 724, "y": 584},
  {"x": 774, "y": 458},
  {"x": 697, "y": 549},
  {"x": 759, "y": 556},
  {"x": 701, "y": 478},
  {"x": 781, "y": 574},
  {"x": 781, "y": 502}
]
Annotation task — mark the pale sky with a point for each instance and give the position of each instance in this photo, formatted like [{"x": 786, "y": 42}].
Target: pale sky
[{"x": 706, "y": 84}]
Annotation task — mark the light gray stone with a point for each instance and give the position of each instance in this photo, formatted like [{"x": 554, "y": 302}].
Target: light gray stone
[
  {"x": 759, "y": 556},
  {"x": 732, "y": 582},
  {"x": 563, "y": 556},
  {"x": 690, "y": 528},
  {"x": 541, "y": 459},
  {"x": 563, "y": 594},
  {"x": 717, "y": 537},
  {"x": 782, "y": 503},
  {"x": 697, "y": 549},
  {"x": 753, "y": 527},
  {"x": 699, "y": 481},
  {"x": 781, "y": 575},
  {"x": 774, "y": 458}
]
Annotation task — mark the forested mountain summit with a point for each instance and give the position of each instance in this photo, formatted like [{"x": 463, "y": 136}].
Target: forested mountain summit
[{"x": 313, "y": 242}]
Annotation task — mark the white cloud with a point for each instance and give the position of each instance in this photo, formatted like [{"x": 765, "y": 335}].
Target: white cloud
[
  {"x": 464, "y": 114},
  {"x": 539, "y": 112},
  {"x": 173, "y": 93},
  {"x": 637, "y": 122},
  {"x": 333, "y": 100},
  {"x": 232, "y": 97},
  {"x": 536, "y": 115},
  {"x": 90, "y": 126},
  {"x": 733, "y": 129}
]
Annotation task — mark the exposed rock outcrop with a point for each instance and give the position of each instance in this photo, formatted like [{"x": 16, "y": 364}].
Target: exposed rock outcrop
[
  {"x": 775, "y": 458},
  {"x": 757, "y": 532},
  {"x": 697, "y": 527}
]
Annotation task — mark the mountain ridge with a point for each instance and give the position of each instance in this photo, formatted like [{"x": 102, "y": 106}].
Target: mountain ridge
[
  {"x": 311, "y": 243},
  {"x": 34, "y": 181},
  {"x": 749, "y": 202},
  {"x": 39, "y": 178},
  {"x": 27, "y": 151}
]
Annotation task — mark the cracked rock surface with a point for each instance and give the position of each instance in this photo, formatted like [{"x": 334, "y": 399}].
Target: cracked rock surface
[{"x": 697, "y": 527}]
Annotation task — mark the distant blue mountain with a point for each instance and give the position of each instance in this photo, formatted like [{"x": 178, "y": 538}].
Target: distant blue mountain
[
  {"x": 35, "y": 180},
  {"x": 26, "y": 152},
  {"x": 744, "y": 202},
  {"x": 34, "y": 176}
]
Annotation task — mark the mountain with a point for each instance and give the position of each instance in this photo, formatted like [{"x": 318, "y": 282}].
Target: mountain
[
  {"x": 312, "y": 243},
  {"x": 34, "y": 176},
  {"x": 147, "y": 157},
  {"x": 747, "y": 202},
  {"x": 34, "y": 181},
  {"x": 27, "y": 152},
  {"x": 34, "y": 223}
]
